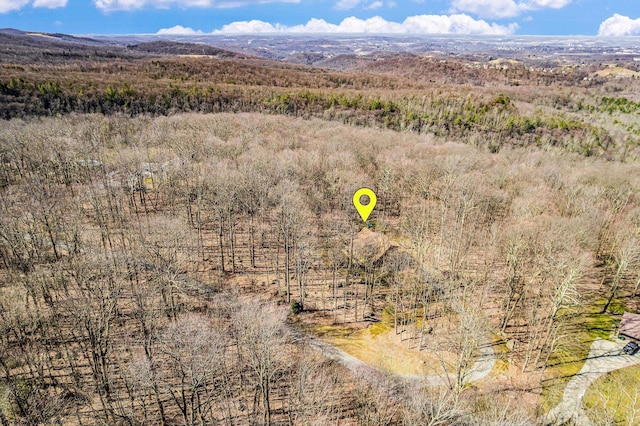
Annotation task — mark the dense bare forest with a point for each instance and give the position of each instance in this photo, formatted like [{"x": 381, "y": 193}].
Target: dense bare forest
[
  {"x": 489, "y": 105},
  {"x": 211, "y": 269}
]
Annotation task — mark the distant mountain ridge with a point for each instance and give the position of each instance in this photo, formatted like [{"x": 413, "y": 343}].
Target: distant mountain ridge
[
  {"x": 348, "y": 52},
  {"x": 176, "y": 48},
  {"x": 17, "y": 44},
  {"x": 54, "y": 37}
]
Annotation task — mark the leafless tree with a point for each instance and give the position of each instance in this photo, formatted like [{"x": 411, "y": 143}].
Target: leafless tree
[
  {"x": 261, "y": 336},
  {"x": 191, "y": 350}
]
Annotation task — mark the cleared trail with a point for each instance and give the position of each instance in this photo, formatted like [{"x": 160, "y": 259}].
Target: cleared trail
[
  {"x": 605, "y": 356},
  {"x": 482, "y": 367}
]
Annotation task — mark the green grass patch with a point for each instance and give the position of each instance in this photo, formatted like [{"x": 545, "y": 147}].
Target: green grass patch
[
  {"x": 502, "y": 354},
  {"x": 378, "y": 346},
  {"x": 388, "y": 315},
  {"x": 617, "y": 308},
  {"x": 412, "y": 317},
  {"x": 331, "y": 331},
  {"x": 584, "y": 327},
  {"x": 378, "y": 328},
  {"x": 615, "y": 397}
]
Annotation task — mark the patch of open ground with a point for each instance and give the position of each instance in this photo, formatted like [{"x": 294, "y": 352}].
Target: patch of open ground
[
  {"x": 378, "y": 346},
  {"x": 615, "y": 397},
  {"x": 617, "y": 72},
  {"x": 588, "y": 325},
  {"x": 605, "y": 356}
]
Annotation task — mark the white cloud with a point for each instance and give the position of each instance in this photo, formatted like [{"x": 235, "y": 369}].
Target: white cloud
[
  {"x": 505, "y": 8},
  {"x": 488, "y": 8},
  {"x": 619, "y": 25},
  {"x": 248, "y": 27},
  {"x": 50, "y": 4},
  {"x": 9, "y": 5},
  {"x": 119, "y": 4},
  {"x": 111, "y": 5},
  {"x": 419, "y": 24},
  {"x": 375, "y": 5},
  {"x": 347, "y": 4},
  {"x": 139, "y": 4},
  {"x": 551, "y": 4},
  {"x": 178, "y": 30},
  {"x": 350, "y": 4}
]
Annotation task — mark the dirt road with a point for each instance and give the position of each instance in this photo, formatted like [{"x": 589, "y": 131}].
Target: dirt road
[
  {"x": 483, "y": 365},
  {"x": 605, "y": 356}
]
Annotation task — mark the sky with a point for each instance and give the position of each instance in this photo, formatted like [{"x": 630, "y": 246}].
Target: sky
[{"x": 490, "y": 17}]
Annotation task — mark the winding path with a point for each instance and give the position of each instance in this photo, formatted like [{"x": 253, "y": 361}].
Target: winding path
[
  {"x": 605, "y": 356},
  {"x": 484, "y": 363}
]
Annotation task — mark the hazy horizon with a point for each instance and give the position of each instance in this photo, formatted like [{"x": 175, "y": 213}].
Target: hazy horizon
[{"x": 413, "y": 17}]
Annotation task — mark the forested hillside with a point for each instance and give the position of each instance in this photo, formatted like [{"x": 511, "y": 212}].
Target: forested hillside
[
  {"x": 141, "y": 259},
  {"x": 491, "y": 105},
  {"x": 178, "y": 243}
]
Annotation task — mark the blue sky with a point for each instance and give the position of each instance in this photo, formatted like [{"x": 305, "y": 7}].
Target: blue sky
[{"x": 540, "y": 17}]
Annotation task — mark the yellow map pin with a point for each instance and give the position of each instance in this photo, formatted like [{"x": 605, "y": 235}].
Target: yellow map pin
[{"x": 364, "y": 210}]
